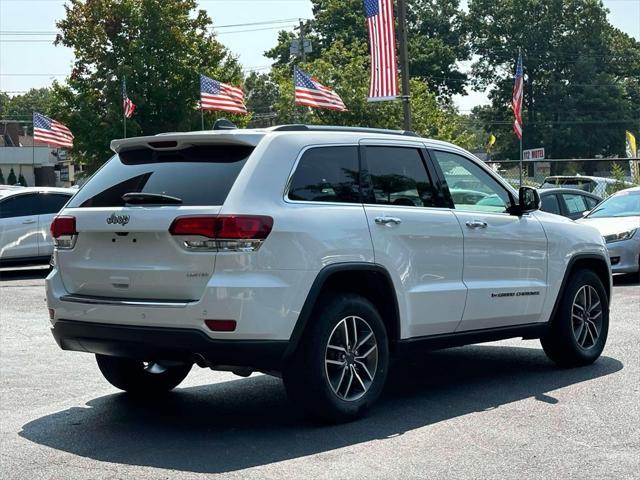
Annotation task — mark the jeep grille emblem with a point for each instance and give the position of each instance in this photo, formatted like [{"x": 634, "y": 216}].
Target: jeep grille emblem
[{"x": 118, "y": 219}]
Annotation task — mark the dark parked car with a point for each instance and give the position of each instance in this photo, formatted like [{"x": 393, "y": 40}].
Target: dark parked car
[{"x": 567, "y": 202}]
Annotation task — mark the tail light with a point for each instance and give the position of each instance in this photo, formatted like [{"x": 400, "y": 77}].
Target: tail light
[
  {"x": 224, "y": 233},
  {"x": 63, "y": 231}
]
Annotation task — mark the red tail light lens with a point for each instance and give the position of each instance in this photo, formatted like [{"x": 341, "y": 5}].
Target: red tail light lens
[
  {"x": 236, "y": 227},
  {"x": 202, "y": 226},
  {"x": 63, "y": 226},
  {"x": 224, "y": 227}
]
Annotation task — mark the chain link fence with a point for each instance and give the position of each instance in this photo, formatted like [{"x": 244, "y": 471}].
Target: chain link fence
[{"x": 612, "y": 174}]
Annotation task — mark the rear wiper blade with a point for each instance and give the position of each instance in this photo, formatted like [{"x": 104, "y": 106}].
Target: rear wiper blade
[{"x": 139, "y": 198}]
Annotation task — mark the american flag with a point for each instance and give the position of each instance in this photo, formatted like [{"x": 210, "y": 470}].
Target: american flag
[
  {"x": 128, "y": 107},
  {"x": 311, "y": 93},
  {"x": 382, "y": 44},
  {"x": 51, "y": 132},
  {"x": 215, "y": 95},
  {"x": 516, "y": 101}
]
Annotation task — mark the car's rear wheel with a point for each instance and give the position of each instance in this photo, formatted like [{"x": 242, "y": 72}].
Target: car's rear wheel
[
  {"x": 340, "y": 366},
  {"x": 578, "y": 332},
  {"x": 139, "y": 377}
]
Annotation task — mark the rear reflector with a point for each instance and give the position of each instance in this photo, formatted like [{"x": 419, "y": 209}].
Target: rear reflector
[
  {"x": 221, "y": 325},
  {"x": 63, "y": 226},
  {"x": 224, "y": 227}
]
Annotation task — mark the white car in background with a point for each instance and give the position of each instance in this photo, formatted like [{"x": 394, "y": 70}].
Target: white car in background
[
  {"x": 26, "y": 214},
  {"x": 618, "y": 220}
]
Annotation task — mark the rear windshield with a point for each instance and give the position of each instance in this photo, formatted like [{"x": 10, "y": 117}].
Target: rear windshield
[{"x": 199, "y": 175}]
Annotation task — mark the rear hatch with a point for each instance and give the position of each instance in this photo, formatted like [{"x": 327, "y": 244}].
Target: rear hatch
[{"x": 123, "y": 247}]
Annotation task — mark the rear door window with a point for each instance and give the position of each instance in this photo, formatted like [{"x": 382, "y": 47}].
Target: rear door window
[
  {"x": 575, "y": 203},
  {"x": 399, "y": 177},
  {"x": 198, "y": 175},
  {"x": 327, "y": 174}
]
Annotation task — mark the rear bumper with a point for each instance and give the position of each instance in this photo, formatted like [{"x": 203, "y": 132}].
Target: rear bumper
[{"x": 161, "y": 343}]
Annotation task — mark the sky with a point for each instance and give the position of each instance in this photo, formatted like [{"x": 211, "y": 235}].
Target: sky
[{"x": 31, "y": 61}]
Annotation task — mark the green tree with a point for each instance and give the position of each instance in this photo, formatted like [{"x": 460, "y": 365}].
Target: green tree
[
  {"x": 160, "y": 46},
  {"x": 21, "y": 107},
  {"x": 581, "y": 75},
  {"x": 437, "y": 39},
  {"x": 11, "y": 179},
  {"x": 1, "y": 177},
  {"x": 22, "y": 181},
  {"x": 261, "y": 95}
]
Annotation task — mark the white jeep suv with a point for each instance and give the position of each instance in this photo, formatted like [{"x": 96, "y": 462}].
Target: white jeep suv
[{"x": 315, "y": 253}]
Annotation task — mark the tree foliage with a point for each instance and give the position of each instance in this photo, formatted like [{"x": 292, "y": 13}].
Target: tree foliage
[
  {"x": 581, "y": 75},
  {"x": 160, "y": 46},
  {"x": 21, "y": 107}
]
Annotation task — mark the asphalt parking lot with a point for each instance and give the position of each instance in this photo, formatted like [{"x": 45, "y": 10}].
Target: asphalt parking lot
[{"x": 499, "y": 410}]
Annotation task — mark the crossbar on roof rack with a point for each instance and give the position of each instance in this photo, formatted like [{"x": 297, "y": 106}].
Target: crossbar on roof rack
[{"x": 331, "y": 128}]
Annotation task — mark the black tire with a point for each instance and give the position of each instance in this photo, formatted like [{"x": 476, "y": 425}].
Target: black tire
[
  {"x": 561, "y": 343},
  {"x": 311, "y": 382},
  {"x": 136, "y": 377}
]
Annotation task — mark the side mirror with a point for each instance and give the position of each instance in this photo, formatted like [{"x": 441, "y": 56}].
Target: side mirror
[{"x": 528, "y": 201}]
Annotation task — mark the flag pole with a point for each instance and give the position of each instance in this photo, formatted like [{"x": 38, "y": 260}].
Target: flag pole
[
  {"x": 404, "y": 63},
  {"x": 201, "y": 116},
  {"x": 521, "y": 116}
]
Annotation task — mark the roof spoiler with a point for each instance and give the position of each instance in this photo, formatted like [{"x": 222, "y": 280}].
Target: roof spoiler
[{"x": 331, "y": 128}]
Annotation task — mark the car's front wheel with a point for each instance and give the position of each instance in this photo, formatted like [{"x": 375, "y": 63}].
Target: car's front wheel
[
  {"x": 141, "y": 378},
  {"x": 340, "y": 367},
  {"x": 578, "y": 332}
]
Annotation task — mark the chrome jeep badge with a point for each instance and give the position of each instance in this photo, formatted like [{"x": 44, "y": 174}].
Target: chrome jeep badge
[{"x": 118, "y": 219}]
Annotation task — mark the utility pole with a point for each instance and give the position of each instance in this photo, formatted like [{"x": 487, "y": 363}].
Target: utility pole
[
  {"x": 302, "y": 52},
  {"x": 404, "y": 63}
]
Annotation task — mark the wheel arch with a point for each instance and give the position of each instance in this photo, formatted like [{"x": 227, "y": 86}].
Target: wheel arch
[
  {"x": 594, "y": 262},
  {"x": 370, "y": 280}
]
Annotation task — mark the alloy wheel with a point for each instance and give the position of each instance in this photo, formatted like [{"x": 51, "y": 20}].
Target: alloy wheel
[
  {"x": 586, "y": 316},
  {"x": 351, "y": 358}
]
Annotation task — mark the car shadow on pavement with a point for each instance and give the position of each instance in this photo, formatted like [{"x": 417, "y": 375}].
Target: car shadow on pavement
[
  {"x": 24, "y": 273},
  {"x": 249, "y": 422}
]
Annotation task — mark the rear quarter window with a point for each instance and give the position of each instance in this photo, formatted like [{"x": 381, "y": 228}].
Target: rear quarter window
[
  {"x": 199, "y": 175},
  {"x": 327, "y": 174}
]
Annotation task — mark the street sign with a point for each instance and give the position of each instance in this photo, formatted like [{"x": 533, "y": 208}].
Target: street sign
[{"x": 533, "y": 154}]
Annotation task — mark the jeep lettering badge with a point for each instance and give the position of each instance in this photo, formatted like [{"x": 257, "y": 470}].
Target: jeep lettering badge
[{"x": 118, "y": 219}]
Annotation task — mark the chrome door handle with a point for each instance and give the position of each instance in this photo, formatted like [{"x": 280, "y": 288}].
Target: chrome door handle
[
  {"x": 387, "y": 220},
  {"x": 476, "y": 224},
  {"x": 28, "y": 222}
]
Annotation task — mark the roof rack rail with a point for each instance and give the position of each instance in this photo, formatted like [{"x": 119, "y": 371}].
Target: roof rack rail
[{"x": 331, "y": 128}]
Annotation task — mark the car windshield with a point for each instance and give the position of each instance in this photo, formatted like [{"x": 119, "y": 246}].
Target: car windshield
[{"x": 623, "y": 204}]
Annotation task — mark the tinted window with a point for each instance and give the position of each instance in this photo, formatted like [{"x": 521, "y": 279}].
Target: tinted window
[
  {"x": 550, "y": 204},
  {"x": 398, "y": 177},
  {"x": 575, "y": 203},
  {"x": 52, "y": 203},
  {"x": 327, "y": 174},
  {"x": 471, "y": 188},
  {"x": 201, "y": 175},
  {"x": 19, "y": 206}
]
